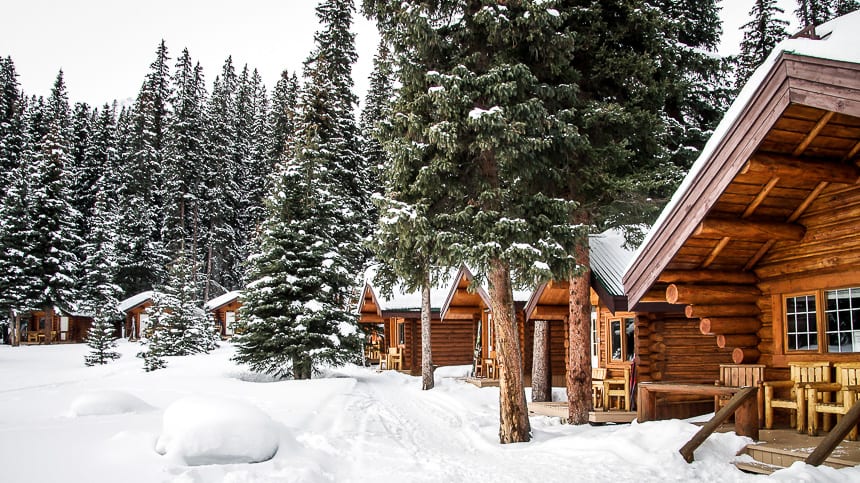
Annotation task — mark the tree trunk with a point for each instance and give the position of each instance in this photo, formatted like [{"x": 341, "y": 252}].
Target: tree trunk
[
  {"x": 49, "y": 323},
  {"x": 541, "y": 369},
  {"x": 426, "y": 354},
  {"x": 513, "y": 412},
  {"x": 15, "y": 322},
  {"x": 579, "y": 337}
]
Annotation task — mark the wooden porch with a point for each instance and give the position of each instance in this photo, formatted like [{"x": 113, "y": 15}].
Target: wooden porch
[
  {"x": 559, "y": 410},
  {"x": 780, "y": 448}
]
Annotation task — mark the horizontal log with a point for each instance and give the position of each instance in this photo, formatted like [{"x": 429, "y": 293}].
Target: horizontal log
[
  {"x": 737, "y": 340},
  {"x": 788, "y": 167},
  {"x": 657, "y": 347},
  {"x": 734, "y": 310},
  {"x": 654, "y": 296},
  {"x": 550, "y": 312},
  {"x": 711, "y": 294},
  {"x": 707, "y": 276},
  {"x": 750, "y": 230},
  {"x": 462, "y": 313},
  {"x": 745, "y": 355},
  {"x": 729, "y": 325}
]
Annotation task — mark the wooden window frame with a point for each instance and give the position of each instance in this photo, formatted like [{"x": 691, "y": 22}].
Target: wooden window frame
[
  {"x": 821, "y": 321},
  {"x": 623, "y": 325}
]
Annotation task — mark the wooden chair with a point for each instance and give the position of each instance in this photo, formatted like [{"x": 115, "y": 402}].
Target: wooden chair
[
  {"x": 794, "y": 393},
  {"x": 742, "y": 375},
  {"x": 479, "y": 367},
  {"x": 617, "y": 388},
  {"x": 598, "y": 399},
  {"x": 844, "y": 392},
  {"x": 490, "y": 364},
  {"x": 395, "y": 358}
]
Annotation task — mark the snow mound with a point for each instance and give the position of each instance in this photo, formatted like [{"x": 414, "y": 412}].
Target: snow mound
[
  {"x": 107, "y": 402},
  {"x": 208, "y": 430}
]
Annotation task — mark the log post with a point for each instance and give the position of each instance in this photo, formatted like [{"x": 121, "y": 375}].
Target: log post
[
  {"x": 745, "y": 355},
  {"x": 729, "y": 325},
  {"x": 541, "y": 376},
  {"x": 711, "y": 294},
  {"x": 49, "y": 323}
]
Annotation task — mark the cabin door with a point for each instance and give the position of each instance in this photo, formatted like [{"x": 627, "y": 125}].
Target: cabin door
[
  {"x": 64, "y": 328},
  {"x": 229, "y": 322}
]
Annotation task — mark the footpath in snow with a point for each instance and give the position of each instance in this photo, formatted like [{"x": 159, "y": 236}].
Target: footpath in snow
[{"x": 205, "y": 419}]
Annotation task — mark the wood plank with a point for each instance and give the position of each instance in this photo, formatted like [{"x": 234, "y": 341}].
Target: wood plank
[
  {"x": 766, "y": 189},
  {"x": 813, "y": 133},
  {"x": 707, "y": 277},
  {"x": 789, "y": 167}
]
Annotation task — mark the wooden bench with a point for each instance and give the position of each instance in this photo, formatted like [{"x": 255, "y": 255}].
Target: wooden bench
[
  {"x": 794, "y": 398},
  {"x": 746, "y": 415}
]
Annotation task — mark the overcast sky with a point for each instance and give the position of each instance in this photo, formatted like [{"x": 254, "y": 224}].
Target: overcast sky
[{"x": 105, "y": 46}]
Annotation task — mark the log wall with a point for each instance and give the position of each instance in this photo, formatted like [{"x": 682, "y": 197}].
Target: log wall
[
  {"x": 557, "y": 351},
  {"x": 452, "y": 342}
]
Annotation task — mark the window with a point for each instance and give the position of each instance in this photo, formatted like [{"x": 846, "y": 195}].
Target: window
[
  {"x": 801, "y": 322},
  {"x": 621, "y": 335},
  {"x": 839, "y": 310},
  {"x": 842, "y": 312},
  {"x": 401, "y": 333},
  {"x": 229, "y": 321},
  {"x": 490, "y": 338},
  {"x": 595, "y": 341}
]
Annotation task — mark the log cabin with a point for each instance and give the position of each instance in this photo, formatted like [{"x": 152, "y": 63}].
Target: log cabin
[
  {"x": 468, "y": 303},
  {"x": 136, "y": 319},
  {"x": 394, "y": 322},
  {"x": 759, "y": 246},
  {"x": 66, "y": 326},
  {"x": 224, "y": 309}
]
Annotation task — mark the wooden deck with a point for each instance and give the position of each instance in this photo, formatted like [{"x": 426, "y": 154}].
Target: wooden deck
[
  {"x": 482, "y": 381},
  {"x": 559, "y": 410},
  {"x": 780, "y": 448}
]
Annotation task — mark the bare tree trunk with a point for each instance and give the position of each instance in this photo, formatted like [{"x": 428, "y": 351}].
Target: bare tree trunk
[
  {"x": 208, "y": 274},
  {"x": 579, "y": 337},
  {"x": 49, "y": 323},
  {"x": 426, "y": 353},
  {"x": 15, "y": 320},
  {"x": 541, "y": 370},
  {"x": 514, "y": 418}
]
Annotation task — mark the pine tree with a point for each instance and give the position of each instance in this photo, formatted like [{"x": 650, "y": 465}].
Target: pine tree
[
  {"x": 11, "y": 121},
  {"x": 761, "y": 34},
  {"x": 52, "y": 217},
  {"x": 282, "y": 124},
  {"x": 99, "y": 294},
  {"x": 377, "y": 110},
  {"x": 842, "y": 7},
  {"x": 816, "y": 12},
  {"x": 296, "y": 305}
]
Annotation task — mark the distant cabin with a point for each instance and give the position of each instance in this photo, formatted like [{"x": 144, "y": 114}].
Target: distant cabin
[
  {"x": 65, "y": 326},
  {"x": 136, "y": 318},
  {"x": 223, "y": 310}
]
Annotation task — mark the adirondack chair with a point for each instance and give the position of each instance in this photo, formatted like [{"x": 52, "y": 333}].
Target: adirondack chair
[
  {"x": 598, "y": 399},
  {"x": 741, "y": 375},
  {"x": 793, "y": 392},
  {"x": 843, "y": 395}
]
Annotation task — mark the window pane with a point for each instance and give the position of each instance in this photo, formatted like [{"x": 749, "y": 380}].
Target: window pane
[
  {"x": 801, "y": 322},
  {"x": 615, "y": 339},
  {"x": 629, "y": 338},
  {"x": 842, "y": 319}
]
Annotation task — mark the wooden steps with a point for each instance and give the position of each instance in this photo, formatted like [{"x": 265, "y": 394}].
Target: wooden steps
[{"x": 780, "y": 448}]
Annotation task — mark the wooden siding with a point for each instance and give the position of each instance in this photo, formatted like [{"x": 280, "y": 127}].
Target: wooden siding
[{"x": 219, "y": 316}]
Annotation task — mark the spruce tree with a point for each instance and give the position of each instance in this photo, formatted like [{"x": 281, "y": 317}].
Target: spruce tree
[
  {"x": 99, "y": 294},
  {"x": 295, "y": 311},
  {"x": 282, "y": 124},
  {"x": 761, "y": 34},
  {"x": 816, "y": 12},
  {"x": 11, "y": 121}
]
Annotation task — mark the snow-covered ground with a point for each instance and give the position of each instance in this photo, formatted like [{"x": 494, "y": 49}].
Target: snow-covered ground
[{"x": 196, "y": 420}]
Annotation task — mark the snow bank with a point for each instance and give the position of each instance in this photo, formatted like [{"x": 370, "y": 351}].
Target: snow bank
[
  {"x": 209, "y": 430},
  {"x": 103, "y": 403}
]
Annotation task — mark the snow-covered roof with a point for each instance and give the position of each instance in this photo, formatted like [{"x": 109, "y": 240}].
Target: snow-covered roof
[
  {"x": 222, "y": 300},
  {"x": 609, "y": 257},
  {"x": 404, "y": 300},
  {"x": 135, "y": 300},
  {"x": 838, "y": 40}
]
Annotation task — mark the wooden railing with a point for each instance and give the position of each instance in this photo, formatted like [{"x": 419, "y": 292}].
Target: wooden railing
[
  {"x": 739, "y": 400},
  {"x": 836, "y": 435}
]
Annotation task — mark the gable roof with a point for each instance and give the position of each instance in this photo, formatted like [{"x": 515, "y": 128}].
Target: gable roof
[
  {"x": 792, "y": 75},
  {"x": 400, "y": 300},
  {"x": 222, "y": 300},
  {"x": 135, "y": 300}
]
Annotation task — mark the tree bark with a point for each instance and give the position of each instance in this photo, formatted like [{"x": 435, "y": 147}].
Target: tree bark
[
  {"x": 49, "y": 323},
  {"x": 579, "y": 337},
  {"x": 426, "y": 354},
  {"x": 513, "y": 412},
  {"x": 15, "y": 322},
  {"x": 541, "y": 369}
]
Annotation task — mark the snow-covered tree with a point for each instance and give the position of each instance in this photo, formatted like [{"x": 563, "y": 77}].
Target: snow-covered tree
[
  {"x": 295, "y": 313},
  {"x": 11, "y": 121},
  {"x": 282, "y": 116},
  {"x": 761, "y": 34}
]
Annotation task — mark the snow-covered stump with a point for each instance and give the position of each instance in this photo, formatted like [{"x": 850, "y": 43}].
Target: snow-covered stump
[{"x": 209, "y": 430}]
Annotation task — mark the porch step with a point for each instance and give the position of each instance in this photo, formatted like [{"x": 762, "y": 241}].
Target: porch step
[
  {"x": 781, "y": 448},
  {"x": 756, "y": 467}
]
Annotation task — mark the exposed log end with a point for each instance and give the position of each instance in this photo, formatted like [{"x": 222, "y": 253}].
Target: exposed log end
[
  {"x": 734, "y": 310},
  {"x": 745, "y": 355},
  {"x": 712, "y": 294}
]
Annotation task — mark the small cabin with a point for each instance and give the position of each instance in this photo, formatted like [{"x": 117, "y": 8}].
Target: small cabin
[
  {"x": 136, "y": 318},
  {"x": 224, "y": 310},
  {"x": 65, "y": 326},
  {"x": 759, "y": 249},
  {"x": 393, "y": 324},
  {"x": 468, "y": 303}
]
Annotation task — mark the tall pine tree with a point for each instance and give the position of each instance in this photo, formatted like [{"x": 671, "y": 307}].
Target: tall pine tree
[{"x": 761, "y": 34}]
